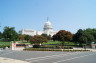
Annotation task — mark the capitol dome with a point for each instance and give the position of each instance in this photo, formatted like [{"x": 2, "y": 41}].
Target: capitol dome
[{"x": 47, "y": 25}]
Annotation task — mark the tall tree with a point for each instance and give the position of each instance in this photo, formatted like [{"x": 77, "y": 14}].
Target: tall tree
[
  {"x": 54, "y": 37},
  {"x": 37, "y": 39},
  {"x": 27, "y": 37},
  {"x": 0, "y": 35},
  {"x": 90, "y": 38},
  {"x": 47, "y": 36},
  {"x": 77, "y": 36},
  {"x": 21, "y": 37},
  {"x": 84, "y": 36},
  {"x": 63, "y": 36},
  {"x": 83, "y": 39},
  {"x": 10, "y": 34}
]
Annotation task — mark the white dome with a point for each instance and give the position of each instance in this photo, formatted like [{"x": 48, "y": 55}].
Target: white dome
[
  {"x": 48, "y": 25},
  {"x": 48, "y": 28}
]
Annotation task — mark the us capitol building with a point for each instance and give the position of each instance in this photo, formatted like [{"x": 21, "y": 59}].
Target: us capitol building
[{"x": 46, "y": 30}]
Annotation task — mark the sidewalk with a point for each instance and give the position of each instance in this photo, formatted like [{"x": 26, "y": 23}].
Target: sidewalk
[
  {"x": 93, "y": 50},
  {"x": 8, "y": 60}
]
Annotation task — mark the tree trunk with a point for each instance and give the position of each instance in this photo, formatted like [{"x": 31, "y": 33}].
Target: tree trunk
[{"x": 62, "y": 44}]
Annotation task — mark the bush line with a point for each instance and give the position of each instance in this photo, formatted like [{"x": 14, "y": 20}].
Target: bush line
[{"x": 46, "y": 49}]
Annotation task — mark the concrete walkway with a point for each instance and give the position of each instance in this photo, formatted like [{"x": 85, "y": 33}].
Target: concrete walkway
[
  {"x": 8, "y": 60},
  {"x": 93, "y": 50}
]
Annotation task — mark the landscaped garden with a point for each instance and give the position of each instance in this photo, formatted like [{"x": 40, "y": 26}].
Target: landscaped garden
[
  {"x": 61, "y": 40},
  {"x": 50, "y": 43},
  {"x": 49, "y": 46}
]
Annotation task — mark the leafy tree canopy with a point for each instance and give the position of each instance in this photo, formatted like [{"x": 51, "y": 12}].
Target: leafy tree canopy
[
  {"x": 0, "y": 35},
  {"x": 63, "y": 36},
  {"x": 27, "y": 37},
  {"x": 37, "y": 39},
  {"x": 47, "y": 36},
  {"x": 85, "y": 36},
  {"x": 9, "y": 33}
]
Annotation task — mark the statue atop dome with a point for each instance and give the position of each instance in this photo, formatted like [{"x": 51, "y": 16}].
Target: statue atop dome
[{"x": 47, "y": 18}]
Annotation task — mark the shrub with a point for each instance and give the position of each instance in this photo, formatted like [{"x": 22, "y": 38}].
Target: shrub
[
  {"x": 3, "y": 46},
  {"x": 47, "y": 46},
  {"x": 56, "y": 47},
  {"x": 68, "y": 47},
  {"x": 36, "y": 46}
]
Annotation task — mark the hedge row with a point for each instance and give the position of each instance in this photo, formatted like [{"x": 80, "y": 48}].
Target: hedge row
[
  {"x": 46, "y": 49},
  {"x": 53, "y": 46}
]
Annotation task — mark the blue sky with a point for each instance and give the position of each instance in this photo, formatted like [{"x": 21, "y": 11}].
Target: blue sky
[{"x": 69, "y": 15}]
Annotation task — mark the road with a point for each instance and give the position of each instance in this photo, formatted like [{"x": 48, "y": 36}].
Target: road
[{"x": 50, "y": 57}]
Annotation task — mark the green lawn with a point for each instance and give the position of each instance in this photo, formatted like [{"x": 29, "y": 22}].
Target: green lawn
[
  {"x": 24, "y": 42},
  {"x": 58, "y": 43},
  {"x": 49, "y": 43},
  {"x": 52, "y": 43},
  {"x": 4, "y": 43},
  {"x": 8, "y": 43}
]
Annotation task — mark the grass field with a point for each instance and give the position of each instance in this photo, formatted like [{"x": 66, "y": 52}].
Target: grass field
[
  {"x": 52, "y": 43},
  {"x": 4, "y": 43},
  {"x": 49, "y": 43},
  {"x": 58, "y": 43},
  {"x": 24, "y": 42}
]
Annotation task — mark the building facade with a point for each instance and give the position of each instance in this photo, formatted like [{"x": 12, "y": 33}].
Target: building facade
[{"x": 48, "y": 29}]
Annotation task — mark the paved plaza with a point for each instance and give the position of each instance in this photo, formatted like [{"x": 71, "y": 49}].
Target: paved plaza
[{"x": 46, "y": 57}]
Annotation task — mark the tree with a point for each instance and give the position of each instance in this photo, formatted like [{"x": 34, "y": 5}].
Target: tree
[
  {"x": 37, "y": 39},
  {"x": 92, "y": 33},
  {"x": 27, "y": 37},
  {"x": 21, "y": 37},
  {"x": 90, "y": 38},
  {"x": 77, "y": 35},
  {"x": 83, "y": 36},
  {"x": 48, "y": 37},
  {"x": 83, "y": 39},
  {"x": 63, "y": 36},
  {"x": 54, "y": 37},
  {"x": 10, "y": 34},
  {"x": 0, "y": 35}
]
